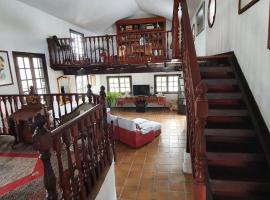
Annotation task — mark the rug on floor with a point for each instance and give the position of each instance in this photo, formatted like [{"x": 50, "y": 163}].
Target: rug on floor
[{"x": 18, "y": 169}]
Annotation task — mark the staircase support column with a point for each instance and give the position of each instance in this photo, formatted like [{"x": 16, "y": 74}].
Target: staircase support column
[{"x": 201, "y": 113}]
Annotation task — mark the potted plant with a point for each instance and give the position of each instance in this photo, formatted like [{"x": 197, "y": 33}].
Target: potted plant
[{"x": 112, "y": 98}]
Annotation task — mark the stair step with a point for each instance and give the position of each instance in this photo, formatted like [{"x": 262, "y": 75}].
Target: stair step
[
  {"x": 234, "y": 159},
  {"x": 240, "y": 188},
  {"x": 229, "y": 135},
  {"x": 225, "y": 100},
  {"x": 229, "y": 197},
  {"x": 233, "y": 145},
  {"x": 221, "y": 85},
  {"x": 227, "y": 113},
  {"x": 216, "y": 72},
  {"x": 253, "y": 172}
]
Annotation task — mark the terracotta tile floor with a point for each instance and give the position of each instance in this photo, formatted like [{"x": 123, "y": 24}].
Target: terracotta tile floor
[{"x": 154, "y": 172}]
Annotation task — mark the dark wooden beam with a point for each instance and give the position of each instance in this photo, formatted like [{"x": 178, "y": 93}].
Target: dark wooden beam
[{"x": 167, "y": 67}]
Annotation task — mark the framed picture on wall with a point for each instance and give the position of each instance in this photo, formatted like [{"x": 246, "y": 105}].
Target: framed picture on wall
[
  {"x": 200, "y": 18},
  {"x": 92, "y": 80},
  {"x": 5, "y": 71},
  {"x": 243, "y": 5},
  {"x": 63, "y": 84}
]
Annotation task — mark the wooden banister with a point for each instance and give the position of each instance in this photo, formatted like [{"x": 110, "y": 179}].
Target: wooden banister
[
  {"x": 83, "y": 149},
  {"x": 197, "y": 106},
  {"x": 112, "y": 49}
]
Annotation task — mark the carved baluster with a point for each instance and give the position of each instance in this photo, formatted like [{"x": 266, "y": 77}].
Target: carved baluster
[
  {"x": 70, "y": 177},
  {"x": 64, "y": 98},
  {"x": 5, "y": 105},
  {"x": 15, "y": 100},
  {"x": 77, "y": 100},
  {"x": 95, "y": 48},
  {"x": 77, "y": 154},
  {"x": 201, "y": 113},
  {"x": 102, "y": 94},
  {"x": 95, "y": 149},
  {"x": 42, "y": 141},
  {"x": 83, "y": 98},
  {"x": 9, "y": 98},
  {"x": 90, "y": 139},
  {"x": 112, "y": 38},
  {"x": 57, "y": 147},
  {"x": 51, "y": 100},
  {"x": 70, "y": 96},
  {"x": 58, "y": 99},
  {"x": 2, "y": 117},
  {"x": 175, "y": 29},
  {"x": 85, "y": 155},
  {"x": 90, "y": 49}
]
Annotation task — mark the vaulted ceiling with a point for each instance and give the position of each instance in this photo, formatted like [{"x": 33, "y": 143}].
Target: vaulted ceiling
[{"x": 98, "y": 15}]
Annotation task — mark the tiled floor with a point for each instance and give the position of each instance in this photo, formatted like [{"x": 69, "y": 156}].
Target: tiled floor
[{"x": 154, "y": 172}]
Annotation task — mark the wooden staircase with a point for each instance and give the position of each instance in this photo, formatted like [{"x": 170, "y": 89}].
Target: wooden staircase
[{"x": 236, "y": 162}]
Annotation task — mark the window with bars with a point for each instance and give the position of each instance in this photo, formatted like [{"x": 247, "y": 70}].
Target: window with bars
[
  {"x": 166, "y": 83},
  {"x": 77, "y": 44},
  {"x": 81, "y": 83},
  {"x": 31, "y": 71},
  {"x": 119, "y": 84}
]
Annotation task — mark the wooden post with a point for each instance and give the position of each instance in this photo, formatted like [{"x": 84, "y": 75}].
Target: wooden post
[
  {"x": 42, "y": 141},
  {"x": 201, "y": 113},
  {"x": 89, "y": 93},
  {"x": 102, "y": 94},
  {"x": 175, "y": 31}
]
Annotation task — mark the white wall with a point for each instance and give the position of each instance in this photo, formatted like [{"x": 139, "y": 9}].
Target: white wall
[
  {"x": 200, "y": 39},
  {"x": 246, "y": 35},
  {"x": 141, "y": 79},
  {"x": 108, "y": 189},
  {"x": 24, "y": 28}
]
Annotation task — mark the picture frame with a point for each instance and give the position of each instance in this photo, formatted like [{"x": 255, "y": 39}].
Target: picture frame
[
  {"x": 92, "y": 80},
  {"x": 243, "y": 5},
  {"x": 5, "y": 70},
  {"x": 211, "y": 14},
  {"x": 63, "y": 83},
  {"x": 200, "y": 19}
]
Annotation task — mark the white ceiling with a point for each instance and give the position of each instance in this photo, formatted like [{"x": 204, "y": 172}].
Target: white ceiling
[{"x": 98, "y": 15}]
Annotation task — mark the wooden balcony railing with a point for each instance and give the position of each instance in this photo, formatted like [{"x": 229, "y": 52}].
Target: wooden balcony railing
[
  {"x": 83, "y": 152},
  {"x": 197, "y": 106},
  {"x": 131, "y": 48},
  {"x": 57, "y": 106}
]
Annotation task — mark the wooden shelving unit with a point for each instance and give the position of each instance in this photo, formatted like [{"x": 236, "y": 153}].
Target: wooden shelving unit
[{"x": 143, "y": 39}]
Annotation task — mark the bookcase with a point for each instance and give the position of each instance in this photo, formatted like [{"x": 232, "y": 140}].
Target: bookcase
[{"x": 141, "y": 39}]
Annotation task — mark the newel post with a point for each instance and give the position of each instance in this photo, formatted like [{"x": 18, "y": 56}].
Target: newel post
[
  {"x": 102, "y": 94},
  {"x": 42, "y": 141},
  {"x": 201, "y": 113}
]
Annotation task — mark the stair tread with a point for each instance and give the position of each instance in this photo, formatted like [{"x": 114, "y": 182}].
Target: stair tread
[
  {"x": 230, "y": 132},
  {"x": 251, "y": 172},
  {"x": 235, "y": 184},
  {"x": 220, "y": 81},
  {"x": 247, "y": 157},
  {"x": 224, "y": 95},
  {"x": 250, "y": 197},
  {"x": 216, "y": 69},
  {"x": 227, "y": 113}
]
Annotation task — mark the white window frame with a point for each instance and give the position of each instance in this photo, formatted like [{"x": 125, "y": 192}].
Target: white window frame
[{"x": 120, "y": 84}]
